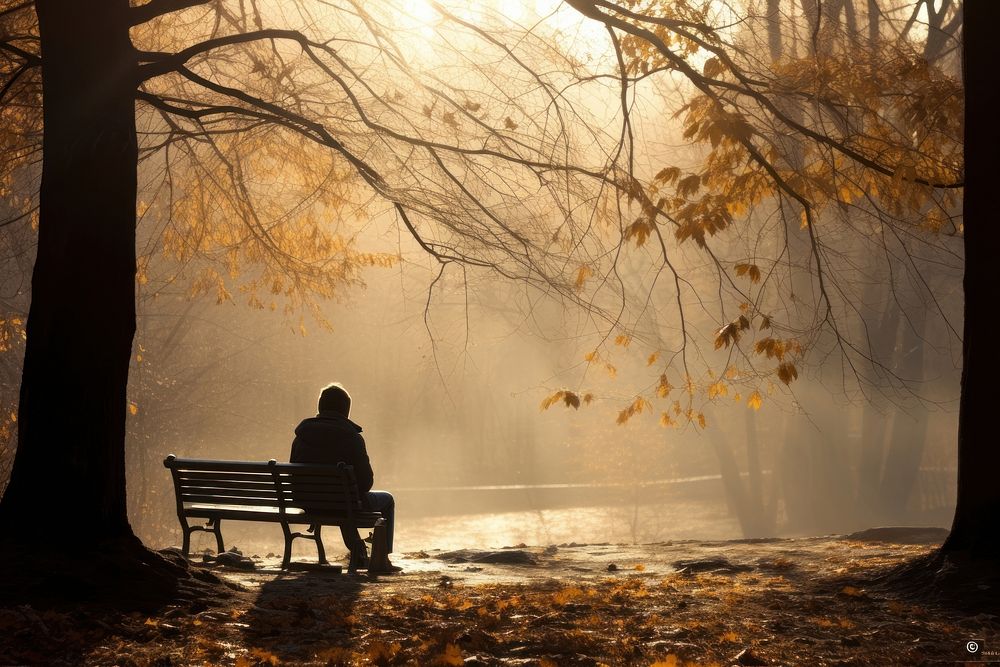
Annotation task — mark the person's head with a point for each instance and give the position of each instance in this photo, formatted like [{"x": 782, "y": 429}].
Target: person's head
[{"x": 334, "y": 398}]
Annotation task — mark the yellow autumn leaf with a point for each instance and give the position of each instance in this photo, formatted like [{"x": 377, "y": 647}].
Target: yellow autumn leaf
[
  {"x": 688, "y": 185},
  {"x": 755, "y": 400},
  {"x": 452, "y": 656},
  {"x": 663, "y": 388},
  {"x": 787, "y": 372},
  {"x": 568, "y": 397},
  {"x": 669, "y": 661},
  {"x": 668, "y": 174},
  {"x": 713, "y": 67},
  {"x": 133, "y": 408},
  {"x": 640, "y": 230},
  {"x": 718, "y": 389},
  {"x": 727, "y": 335},
  {"x": 637, "y": 407}
]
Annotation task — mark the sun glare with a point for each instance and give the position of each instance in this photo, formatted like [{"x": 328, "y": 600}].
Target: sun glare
[{"x": 429, "y": 21}]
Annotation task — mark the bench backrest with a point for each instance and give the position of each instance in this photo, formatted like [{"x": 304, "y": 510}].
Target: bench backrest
[{"x": 315, "y": 489}]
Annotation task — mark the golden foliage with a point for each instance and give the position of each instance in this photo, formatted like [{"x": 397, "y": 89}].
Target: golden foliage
[
  {"x": 639, "y": 230},
  {"x": 571, "y": 399},
  {"x": 452, "y": 655},
  {"x": 730, "y": 333},
  {"x": 636, "y": 407},
  {"x": 787, "y": 372},
  {"x": 777, "y": 349},
  {"x": 717, "y": 389},
  {"x": 752, "y": 271},
  {"x": 663, "y": 387}
]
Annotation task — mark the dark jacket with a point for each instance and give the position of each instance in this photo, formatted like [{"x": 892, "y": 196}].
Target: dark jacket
[{"x": 331, "y": 438}]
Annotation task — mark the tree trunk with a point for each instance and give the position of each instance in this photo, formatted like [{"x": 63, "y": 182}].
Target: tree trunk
[
  {"x": 875, "y": 412},
  {"x": 909, "y": 425},
  {"x": 977, "y": 514},
  {"x": 748, "y": 510},
  {"x": 69, "y": 469}
]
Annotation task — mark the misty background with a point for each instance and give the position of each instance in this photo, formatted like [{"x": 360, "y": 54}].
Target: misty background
[{"x": 449, "y": 397}]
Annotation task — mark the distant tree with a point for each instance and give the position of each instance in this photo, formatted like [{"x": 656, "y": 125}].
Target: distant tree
[{"x": 871, "y": 127}]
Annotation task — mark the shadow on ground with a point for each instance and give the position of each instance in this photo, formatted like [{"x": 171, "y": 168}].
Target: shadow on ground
[{"x": 300, "y": 615}]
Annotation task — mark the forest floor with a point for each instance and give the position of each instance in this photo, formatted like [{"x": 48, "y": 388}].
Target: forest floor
[{"x": 815, "y": 601}]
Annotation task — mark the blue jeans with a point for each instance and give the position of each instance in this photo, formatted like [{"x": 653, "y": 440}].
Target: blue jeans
[{"x": 377, "y": 501}]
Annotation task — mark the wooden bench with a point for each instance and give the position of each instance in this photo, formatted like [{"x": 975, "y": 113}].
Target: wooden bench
[{"x": 284, "y": 493}]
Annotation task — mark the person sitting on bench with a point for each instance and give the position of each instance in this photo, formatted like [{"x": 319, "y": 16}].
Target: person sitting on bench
[{"x": 329, "y": 438}]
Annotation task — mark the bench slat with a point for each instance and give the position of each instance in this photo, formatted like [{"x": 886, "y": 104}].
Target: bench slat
[
  {"x": 225, "y": 484},
  {"x": 329, "y": 476},
  {"x": 207, "y": 465},
  {"x": 231, "y": 493},
  {"x": 228, "y": 500},
  {"x": 361, "y": 519},
  {"x": 302, "y": 492},
  {"x": 226, "y": 476},
  {"x": 212, "y": 465},
  {"x": 326, "y": 507}
]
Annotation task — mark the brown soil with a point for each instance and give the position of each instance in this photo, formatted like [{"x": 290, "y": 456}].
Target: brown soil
[{"x": 817, "y": 601}]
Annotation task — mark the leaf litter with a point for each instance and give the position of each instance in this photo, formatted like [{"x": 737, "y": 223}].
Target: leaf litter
[{"x": 786, "y": 602}]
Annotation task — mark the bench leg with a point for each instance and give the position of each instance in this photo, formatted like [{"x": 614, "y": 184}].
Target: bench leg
[
  {"x": 319, "y": 544},
  {"x": 217, "y": 529},
  {"x": 287, "y": 559},
  {"x": 186, "y": 542}
]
